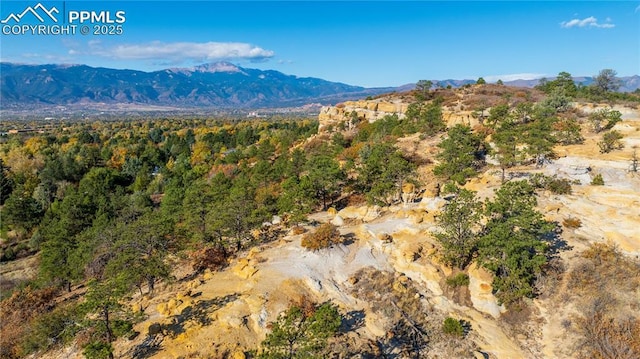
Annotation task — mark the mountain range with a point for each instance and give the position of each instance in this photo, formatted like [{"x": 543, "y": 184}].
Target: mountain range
[{"x": 217, "y": 85}]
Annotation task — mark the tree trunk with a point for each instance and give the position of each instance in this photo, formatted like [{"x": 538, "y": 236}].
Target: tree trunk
[
  {"x": 151, "y": 282},
  {"x": 291, "y": 352},
  {"x": 105, "y": 315}
]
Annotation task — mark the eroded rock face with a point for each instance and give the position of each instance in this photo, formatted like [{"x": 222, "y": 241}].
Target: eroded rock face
[
  {"x": 481, "y": 291},
  {"x": 365, "y": 110},
  {"x": 365, "y": 214}
]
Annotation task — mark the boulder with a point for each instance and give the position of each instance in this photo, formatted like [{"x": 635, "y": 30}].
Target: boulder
[
  {"x": 337, "y": 221},
  {"x": 244, "y": 269},
  {"x": 481, "y": 291},
  {"x": 154, "y": 329},
  {"x": 353, "y": 212}
]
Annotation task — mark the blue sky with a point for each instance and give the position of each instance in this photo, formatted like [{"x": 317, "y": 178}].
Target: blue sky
[{"x": 360, "y": 43}]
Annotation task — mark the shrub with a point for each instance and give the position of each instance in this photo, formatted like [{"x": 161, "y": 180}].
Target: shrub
[
  {"x": 121, "y": 327},
  {"x": 610, "y": 141},
  {"x": 213, "y": 258},
  {"x": 604, "y": 336},
  {"x": 597, "y": 180},
  {"x": 553, "y": 184},
  {"x": 298, "y": 230},
  {"x": 325, "y": 236},
  {"x": 57, "y": 327},
  {"x": 572, "y": 222},
  {"x": 17, "y": 312},
  {"x": 97, "y": 350},
  {"x": 453, "y": 327},
  {"x": 559, "y": 186},
  {"x": 604, "y": 116},
  {"x": 458, "y": 280}
]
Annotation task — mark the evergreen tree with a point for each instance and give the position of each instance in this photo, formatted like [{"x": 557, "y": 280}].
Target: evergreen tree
[
  {"x": 302, "y": 332},
  {"x": 139, "y": 255},
  {"x": 567, "y": 131},
  {"x": 512, "y": 245},
  {"x": 21, "y": 211},
  {"x": 6, "y": 184},
  {"x": 604, "y": 119},
  {"x": 610, "y": 141},
  {"x": 461, "y": 154},
  {"x": 325, "y": 176},
  {"x": 539, "y": 139},
  {"x": 459, "y": 221},
  {"x": 297, "y": 198},
  {"x": 382, "y": 172},
  {"x": 103, "y": 299},
  {"x": 506, "y": 139},
  {"x": 426, "y": 117}
]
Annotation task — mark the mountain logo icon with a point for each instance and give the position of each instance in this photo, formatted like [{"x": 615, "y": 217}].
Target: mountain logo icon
[{"x": 39, "y": 11}]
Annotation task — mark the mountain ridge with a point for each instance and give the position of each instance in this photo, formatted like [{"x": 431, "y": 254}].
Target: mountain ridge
[{"x": 221, "y": 85}]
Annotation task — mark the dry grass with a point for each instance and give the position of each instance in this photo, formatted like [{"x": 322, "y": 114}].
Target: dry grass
[
  {"x": 414, "y": 328},
  {"x": 213, "y": 258},
  {"x": 604, "y": 336},
  {"x": 16, "y": 313},
  {"x": 603, "y": 268},
  {"x": 603, "y": 285},
  {"x": 572, "y": 222},
  {"x": 325, "y": 236}
]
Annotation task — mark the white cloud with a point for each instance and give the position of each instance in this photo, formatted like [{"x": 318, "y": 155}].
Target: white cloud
[
  {"x": 177, "y": 52},
  {"x": 587, "y": 22},
  {"x": 513, "y": 77}
]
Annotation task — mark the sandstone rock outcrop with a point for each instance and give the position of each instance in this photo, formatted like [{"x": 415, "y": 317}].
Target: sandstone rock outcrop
[{"x": 482, "y": 291}]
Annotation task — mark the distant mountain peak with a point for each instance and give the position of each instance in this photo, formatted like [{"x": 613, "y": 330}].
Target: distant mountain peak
[
  {"x": 221, "y": 66},
  {"x": 214, "y": 67}
]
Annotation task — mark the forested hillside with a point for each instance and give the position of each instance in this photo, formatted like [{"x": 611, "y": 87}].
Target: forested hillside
[{"x": 434, "y": 223}]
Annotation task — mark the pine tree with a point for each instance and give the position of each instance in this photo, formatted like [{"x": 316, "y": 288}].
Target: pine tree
[
  {"x": 512, "y": 245},
  {"x": 460, "y": 155},
  {"x": 459, "y": 222},
  {"x": 302, "y": 332},
  {"x": 382, "y": 172},
  {"x": 539, "y": 139}
]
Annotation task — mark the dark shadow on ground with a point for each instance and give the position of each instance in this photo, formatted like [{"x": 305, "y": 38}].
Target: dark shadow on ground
[
  {"x": 353, "y": 321},
  {"x": 197, "y": 313}
]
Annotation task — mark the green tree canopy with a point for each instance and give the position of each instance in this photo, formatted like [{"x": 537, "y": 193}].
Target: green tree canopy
[
  {"x": 382, "y": 172},
  {"x": 605, "y": 81},
  {"x": 460, "y": 224},
  {"x": 512, "y": 245},
  {"x": 302, "y": 333},
  {"x": 325, "y": 176},
  {"x": 461, "y": 154}
]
